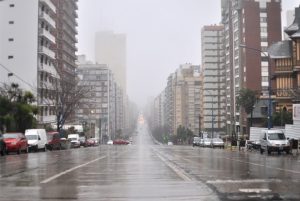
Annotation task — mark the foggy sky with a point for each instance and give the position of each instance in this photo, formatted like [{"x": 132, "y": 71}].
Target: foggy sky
[{"x": 161, "y": 35}]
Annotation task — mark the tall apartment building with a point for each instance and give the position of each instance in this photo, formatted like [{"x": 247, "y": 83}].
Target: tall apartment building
[
  {"x": 110, "y": 48},
  {"x": 98, "y": 108},
  {"x": 66, "y": 40},
  {"x": 120, "y": 109},
  {"x": 213, "y": 72},
  {"x": 27, "y": 41},
  {"x": 256, "y": 25},
  {"x": 37, "y": 41},
  {"x": 187, "y": 98},
  {"x": 159, "y": 110},
  {"x": 169, "y": 104}
]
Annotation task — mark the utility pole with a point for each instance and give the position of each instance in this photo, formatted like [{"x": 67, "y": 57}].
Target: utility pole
[{"x": 200, "y": 133}]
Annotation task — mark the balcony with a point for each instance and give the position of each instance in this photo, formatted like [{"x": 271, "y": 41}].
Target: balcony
[
  {"x": 49, "y": 4},
  {"x": 49, "y": 69},
  {"x": 46, "y": 51},
  {"x": 47, "y": 34},
  {"x": 48, "y": 19}
]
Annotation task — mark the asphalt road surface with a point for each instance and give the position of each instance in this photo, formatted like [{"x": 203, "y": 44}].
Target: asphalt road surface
[{"x": 148, "y": 171}]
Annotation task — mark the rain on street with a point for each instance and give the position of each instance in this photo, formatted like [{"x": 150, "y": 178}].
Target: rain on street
[{"x": 149, "y": 171}]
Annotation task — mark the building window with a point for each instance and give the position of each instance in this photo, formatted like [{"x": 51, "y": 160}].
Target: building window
[
  {"x": 11, "y": 5},
  {"x": 10, "y": 57},
  {"x": 10, "y": 39},
  {"x": 11, "y": 22}
]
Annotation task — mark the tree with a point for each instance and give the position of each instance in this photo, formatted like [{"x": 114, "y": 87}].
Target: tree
[
  {"x": 65, "y": 97},
  {"x": 282, "y": 117},
  {"x": 247, "y": 99},
  {"x": 17, "y": 112},
  {"x": 184, "y": 134}
]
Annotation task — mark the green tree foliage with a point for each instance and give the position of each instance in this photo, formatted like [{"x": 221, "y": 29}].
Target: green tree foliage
[
  {"x": 16, "y": 109},
  {"x": 246, "y": 99},
  {"x": 184, "y": 135},
  {"x": 161, "y": 134},
  {"x": 282, "y": 117}
]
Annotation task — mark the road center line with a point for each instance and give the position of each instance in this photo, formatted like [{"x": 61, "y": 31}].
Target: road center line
[
  {"x": 177, "y": 170},
  {"x": 270, "y": 167},
  {"x": 70, "y": 170}
]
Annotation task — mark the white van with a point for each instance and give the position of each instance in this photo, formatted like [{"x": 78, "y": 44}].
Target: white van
[
  {"x": 274, "y": 140},
  {"x": 74, "y": 138},
  {"x": 37, "y": 139}
]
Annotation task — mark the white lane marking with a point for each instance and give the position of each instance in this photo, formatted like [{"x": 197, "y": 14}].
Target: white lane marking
[
  {"x": 254, "y": 190},
  {"x": 261, "y": 165},
  {"x": 243, "y": 181},
  {"x": 177, "y": 170},
  {"x": 70, "y": 170}
]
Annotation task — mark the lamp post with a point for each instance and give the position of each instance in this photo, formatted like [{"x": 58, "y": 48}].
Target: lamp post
[{"x": 269, "y": 84}]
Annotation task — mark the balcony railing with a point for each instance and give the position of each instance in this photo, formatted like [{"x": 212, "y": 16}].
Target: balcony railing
[
  {"x": 46, "y": 51},
  {"x": 47, "y": 34},
  {"x": 49, "y": 4},
  {"x": 49, "y": 69},
  {"x": 47, "y": 18}
]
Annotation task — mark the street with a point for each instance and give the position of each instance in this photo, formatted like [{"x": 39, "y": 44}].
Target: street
[{"x": 147, "y": 171}]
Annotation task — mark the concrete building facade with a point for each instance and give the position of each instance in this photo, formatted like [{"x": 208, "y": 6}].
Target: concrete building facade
[
  {"x": 98, "y": 108},
  {"x": 256, "y": 25},
  {"x": 32, "y": 40},
  {"x": 27, "y": 40},
  {"x": 213, "y": 72}
]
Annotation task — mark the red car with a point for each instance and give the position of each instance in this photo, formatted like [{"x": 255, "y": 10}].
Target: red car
[
  {"x": 15, "y": 142},
  {"x": 92, "y": 142},
  {"x": 120, "y": 141},
  {"x": 54, "y": 141}
]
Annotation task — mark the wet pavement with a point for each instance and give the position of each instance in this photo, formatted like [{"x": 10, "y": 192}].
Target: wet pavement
[{"x": 147, "y": 171}]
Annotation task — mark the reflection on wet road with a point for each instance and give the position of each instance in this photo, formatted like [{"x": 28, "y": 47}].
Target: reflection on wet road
[{"x": 145, "y": 171}]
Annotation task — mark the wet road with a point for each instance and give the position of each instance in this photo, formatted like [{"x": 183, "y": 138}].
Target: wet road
[{"x": 145, "y": 171}]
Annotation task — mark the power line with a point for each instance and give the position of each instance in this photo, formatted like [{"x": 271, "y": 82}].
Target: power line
[{"x": 17, "y": 76}]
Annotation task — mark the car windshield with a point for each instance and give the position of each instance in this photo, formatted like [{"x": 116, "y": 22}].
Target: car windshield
[
  {"x": 11, "y": 135},
  {"x": 31, "y": 137},
  {"x": 73, "y": 138},
  {"x": 217, "y": 140},
  {"x": 276, "y": 136}
]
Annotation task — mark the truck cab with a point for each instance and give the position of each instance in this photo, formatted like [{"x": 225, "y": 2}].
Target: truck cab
[{"x": 274, "y": 140}]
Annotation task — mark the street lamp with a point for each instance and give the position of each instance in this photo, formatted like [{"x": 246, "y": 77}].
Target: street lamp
[{"x": 269, "y": 84}]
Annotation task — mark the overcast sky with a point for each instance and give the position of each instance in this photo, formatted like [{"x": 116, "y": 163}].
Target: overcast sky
[{"x": 161, "y": 35}]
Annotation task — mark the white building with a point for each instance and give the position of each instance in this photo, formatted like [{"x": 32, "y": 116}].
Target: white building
[
  {"x": 26, "y": 49},
  {"x": 97, "y": 110},
  {"x": 213, "y": 78},
  {"x": 110, "y": 48}
]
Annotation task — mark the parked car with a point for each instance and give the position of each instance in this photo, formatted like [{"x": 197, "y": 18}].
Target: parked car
[
  {"x": 54, "y": 141},
  {"x": 170, "y": 143},
  {"x": 82, "y": 140},
  {"x": 110, "y": 142},
  {"x": 196, "y": 141},
  {"x": 74, "y": 138},
  {"x": 15, "y": 142},
  {"x": 37, "y": 139},
  {"x": 206, "y": 142},
  {"x": 2, "y": 145},
  {"x": 217, "y": 142},
  {"x": 92, "y": 142},
  {"x": 274, "y": 140},
  {"x": 121, "y": 142}
]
